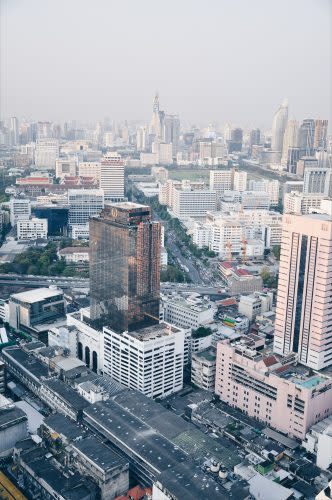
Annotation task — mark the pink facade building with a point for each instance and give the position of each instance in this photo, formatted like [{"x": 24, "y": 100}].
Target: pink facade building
[
  {"x": 274, "y": 389},
  {"x": 304, "y": 303}
]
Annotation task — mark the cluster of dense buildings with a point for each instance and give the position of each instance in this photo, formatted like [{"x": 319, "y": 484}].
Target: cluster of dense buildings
[{"x": 98, "y": 370}]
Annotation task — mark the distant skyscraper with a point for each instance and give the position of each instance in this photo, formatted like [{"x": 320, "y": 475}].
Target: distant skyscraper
[
  {"x": 14, "y": 132},
  {"x": 278, "y": 126},
  {"x": 290, "y": 139},
  {"x": 320, "y": 137},
  {"x": 306, "y": 137},
  {"x": 112, "y": 177},
  {"x": 235, "y": 144},
  {"x": 44, "y": 130},
  {"x": 47, "y": 152},
  {"x": 172, "y": 131},
  {"x": 303, "y": 321},
  {"x": 124, "y": 267},
  {"x": 255, "y": 137},
  {"x": 141, "y": 139},
  {"x": 293, "y": 156},
  {"x": 157, "y": 121}
]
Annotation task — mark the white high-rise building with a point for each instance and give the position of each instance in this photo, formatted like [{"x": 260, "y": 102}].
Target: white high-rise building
[
  {"x": 20, "y": 209},
  {"x": 303, "y": 319},
  {"x": 157, "y": 121},
  {"x": 221, "y": 180},
  {"x": 47, "y": 152},
  {"x": 240, "y": 181},
  {"x": 150, "y": 359},
  {"x": 108, "y": 139},
  {"x": 141, "y": 139},
  {"x": 83, "y": 204},
  {"x": 44, "y": 130},
  {"x": 279, "y": 126},
  {"x": 272, "y": 188},
  {"x": 163, "y": 152},
  {"x": 14, "y": 131},
  {"x": 290, "y": 139},
  {"x": 112, "y": 177},
  {"x": 32, "y": 229},
  {"x": 193, "y": 203},
  {"x": 301, "y": 203}
]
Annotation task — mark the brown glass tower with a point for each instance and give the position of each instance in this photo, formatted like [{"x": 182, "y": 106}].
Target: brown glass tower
[{"x": 124, "y": 267}]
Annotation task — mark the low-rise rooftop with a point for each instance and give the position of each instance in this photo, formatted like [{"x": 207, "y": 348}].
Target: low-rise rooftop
[
  {"x": 36, "y": 295},
  {"x": 98, "y": 453}
]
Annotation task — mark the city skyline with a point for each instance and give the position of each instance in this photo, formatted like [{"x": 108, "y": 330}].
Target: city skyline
[{"x": 92, "y": 70}]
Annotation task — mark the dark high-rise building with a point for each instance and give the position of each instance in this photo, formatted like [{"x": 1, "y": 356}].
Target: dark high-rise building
[
  {"x": 172, "y": 131},
  {"x": 293, "y": 155},
  {"x": 57, "y": 218},
  {"x": 235, "y": 144},
  {"x": 255, "y": 137},
  {"x": 124, "y": 267},
  {"x": 306, "y": 137}
]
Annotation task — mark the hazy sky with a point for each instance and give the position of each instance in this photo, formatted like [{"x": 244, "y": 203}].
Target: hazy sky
[{"x": 212, "y": 60}]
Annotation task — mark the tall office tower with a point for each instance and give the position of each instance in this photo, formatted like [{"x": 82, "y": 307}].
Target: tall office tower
[
  {"x": 227, "y": 132},
  {"x": 141, "y": 139},
  {"x": 306, "y": 137},
  {"x": 279, "y": 126},
  {"x": 47, "y": 152},
  {"x": 221, "y": 181},
  {"x": 290, "y": 139},
  {"x": 20, "y": 209},
  {"x": 303, "y": 316},
  {"x": 320, "y": 136},
  {"x": 157, "y": 121},
  {"x": 240, "y": 181},
  {"x": 255, "y": 137},
  {"x": 112, "y": 177},
  {"x": 83, "y": 204},
  {"x": 44, "y": 130},
  {"x": 293, "y": 156},
  {"x": 14, "y": 133},
  {"x": 172, "y": 132},
  {"x": 317, "y": 180},
  {"x": 235, "y": 144},
  {"x": 124, "y": 267}
]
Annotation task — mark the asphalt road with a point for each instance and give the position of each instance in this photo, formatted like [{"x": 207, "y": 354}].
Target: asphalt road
[{"x": 187, "y": 263}]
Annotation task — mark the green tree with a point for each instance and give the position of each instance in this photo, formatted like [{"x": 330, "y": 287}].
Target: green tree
[{"x": 276, "y": 251}]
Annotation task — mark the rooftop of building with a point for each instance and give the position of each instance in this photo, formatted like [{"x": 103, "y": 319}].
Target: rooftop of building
[
  {"x": 99, "y": 453},
  {"x": 27, "y": 361},
  {"x": 66, "y": 393},
  {"x": 285, "y": 367},
  {"x": 195, "y": 305},
  {"x": 62, "y": 425},
  {"x": 72, "y": 250},
  {"x": 36, "y": 295},
  {"x": 198, "y": 485},
  {"x": 126, "y": 205},
  {"x": 70, "y": 487},
  {"x": 152, "y": 332},
  {"x": 10, "y": 415},
  {"x": 207, "y": 354}
]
